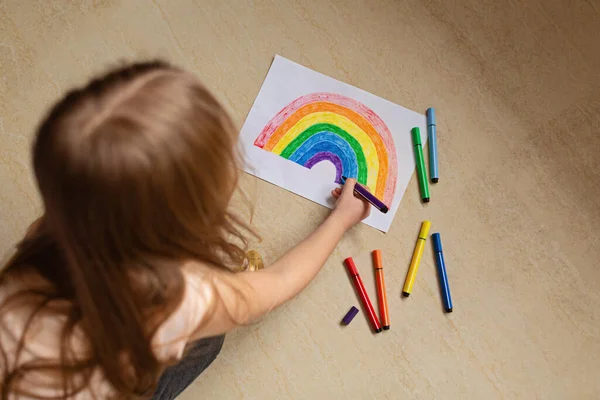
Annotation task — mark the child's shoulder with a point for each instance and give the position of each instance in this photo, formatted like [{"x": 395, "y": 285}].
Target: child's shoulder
[{"x": 31, "y": 318}]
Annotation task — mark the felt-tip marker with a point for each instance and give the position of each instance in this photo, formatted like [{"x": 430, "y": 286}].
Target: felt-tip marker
[
  {"x": 441, "y": 267},
  {"x": 381, "y": 294},
  {"x": 416, "y": 259},
  {"x": 432, "y": 144},
  {"x": 421, "y": 174},
  {"x": 362, "y": 294},
  {"x": 368, "y": 196}
]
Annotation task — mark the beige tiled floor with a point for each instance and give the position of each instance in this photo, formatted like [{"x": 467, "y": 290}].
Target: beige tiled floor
[{"x": 517, "y": 89}]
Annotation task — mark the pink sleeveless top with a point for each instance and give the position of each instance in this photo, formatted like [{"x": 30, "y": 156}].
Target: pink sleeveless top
[{"x": 43, "y": 337}]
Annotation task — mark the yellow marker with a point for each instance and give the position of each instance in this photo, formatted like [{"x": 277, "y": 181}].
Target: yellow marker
[{"x": 416, "y": 259}]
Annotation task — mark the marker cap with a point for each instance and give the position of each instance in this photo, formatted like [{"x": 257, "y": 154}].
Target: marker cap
[
  {"x": 430, "y": 116},
  {"x": 377, "y": 259},
  {"x": 416, "y": 136},
  {"x": 424, "y": 229},
  {"x": 350, "y": 315},
  {"x": 351, "y": 266},
  {"x": 437, "y": 242}
]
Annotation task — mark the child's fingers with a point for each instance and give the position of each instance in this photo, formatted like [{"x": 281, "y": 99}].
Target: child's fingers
[
  {"x": 336, "y": 193},
  {"x": 348, "y": 189}
]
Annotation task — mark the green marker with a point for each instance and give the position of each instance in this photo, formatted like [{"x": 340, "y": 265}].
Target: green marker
[{"x": 416, "y": 136}]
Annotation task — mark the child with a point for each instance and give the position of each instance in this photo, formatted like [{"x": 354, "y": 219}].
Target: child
[{"x": 122, "y": 288}]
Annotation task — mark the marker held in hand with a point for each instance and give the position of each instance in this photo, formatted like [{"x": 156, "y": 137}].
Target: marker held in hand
[{"x": 365, "y": 194}]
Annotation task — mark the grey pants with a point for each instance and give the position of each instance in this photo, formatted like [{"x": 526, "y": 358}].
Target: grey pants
[{"x": 178, "y": 377}]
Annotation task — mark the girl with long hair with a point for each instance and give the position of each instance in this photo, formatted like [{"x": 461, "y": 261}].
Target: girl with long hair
[{"x": 123, "y": 288}]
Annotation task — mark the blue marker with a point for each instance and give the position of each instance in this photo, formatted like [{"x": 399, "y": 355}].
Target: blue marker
[
  {"x": 441, "y": 267},
  {"x": 433, "y": 163}
]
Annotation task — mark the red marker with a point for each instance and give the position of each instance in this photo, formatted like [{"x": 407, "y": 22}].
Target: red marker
[{"x": 362, "y": 293}]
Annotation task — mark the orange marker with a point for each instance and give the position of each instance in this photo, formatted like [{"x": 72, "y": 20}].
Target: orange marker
[{"x": 381, "y": 296}]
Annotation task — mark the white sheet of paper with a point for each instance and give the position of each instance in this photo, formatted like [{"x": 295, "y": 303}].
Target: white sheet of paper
[{"x": 287, "y": 81}]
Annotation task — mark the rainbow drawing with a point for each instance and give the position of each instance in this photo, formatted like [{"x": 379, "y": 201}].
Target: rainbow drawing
[{"x": 329, "y": 127}]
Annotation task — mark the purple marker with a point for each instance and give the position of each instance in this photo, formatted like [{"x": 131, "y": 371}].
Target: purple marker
[
  {"x": 365, "y": 194},
  {"x": 350, "y": 316}
]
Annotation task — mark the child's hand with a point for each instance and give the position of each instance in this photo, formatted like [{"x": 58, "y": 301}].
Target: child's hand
[{"x": 349, "y": 209}]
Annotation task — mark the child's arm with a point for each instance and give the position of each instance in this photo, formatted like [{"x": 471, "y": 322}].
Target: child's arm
[{"x": 268, "y": 288}]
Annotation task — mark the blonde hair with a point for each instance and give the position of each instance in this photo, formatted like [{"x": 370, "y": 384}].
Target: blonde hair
[{"x": 136, "y": 171}]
